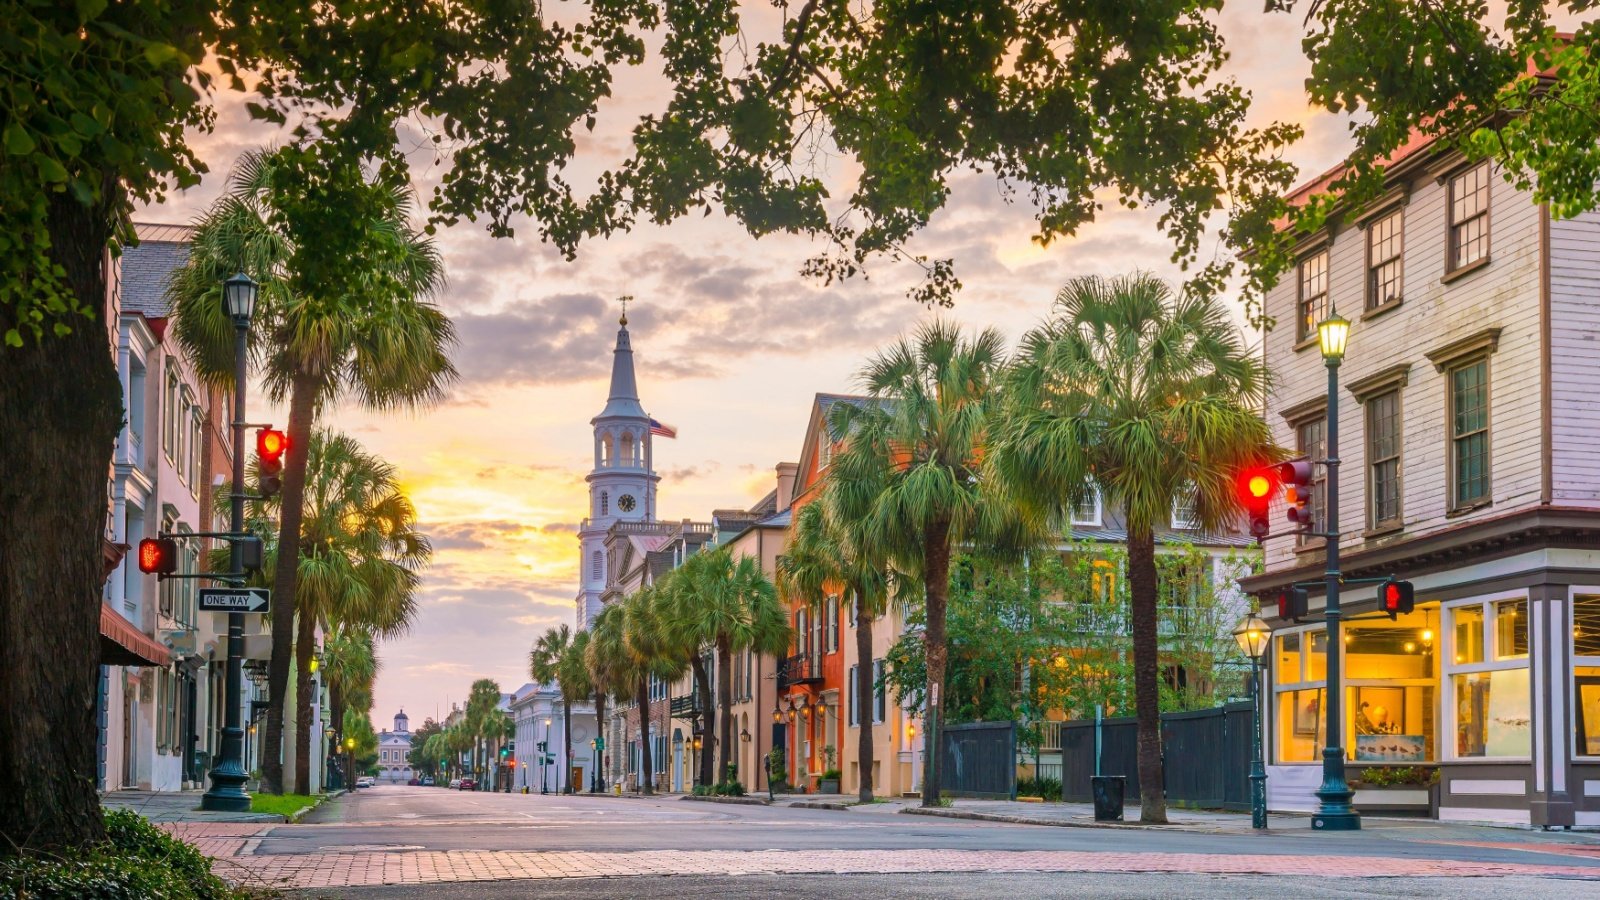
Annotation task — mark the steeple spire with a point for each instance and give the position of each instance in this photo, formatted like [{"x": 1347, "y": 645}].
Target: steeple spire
[{"x": 624, "y": 397}]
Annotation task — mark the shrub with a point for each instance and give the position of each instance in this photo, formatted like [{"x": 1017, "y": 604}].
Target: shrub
[
  {"x": 729, "y": 789},
  {"x": 1044, "y": 788},
  {"x": 700, "y": 790},
  {"x": 831, "y": 775},
  {"x": 137, "y": 860},
  {"x": 1389, "y": 776}
]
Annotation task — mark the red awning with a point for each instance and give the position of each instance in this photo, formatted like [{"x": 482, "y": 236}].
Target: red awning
[{"x": 121, "y": 644}]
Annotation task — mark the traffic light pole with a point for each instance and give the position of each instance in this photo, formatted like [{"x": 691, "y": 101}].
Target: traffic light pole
[
  {"x": 1334, "y": 812},
  {"x": 228, "y": 777}
]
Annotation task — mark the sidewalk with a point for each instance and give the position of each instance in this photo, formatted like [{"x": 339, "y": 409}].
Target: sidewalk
[{"x": 177, "y": 806}]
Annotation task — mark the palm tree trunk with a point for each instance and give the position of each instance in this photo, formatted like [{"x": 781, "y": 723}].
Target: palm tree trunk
[
  {"x": 566, "y": 740},
  {"x": 936, "y": 556},
  {"x": 864, "y": 694},
  {"x": 335, "y": 713},
  {"x": 702, "y": 682},
  {"x": 60, "y": 409},
  {"x": 305, "y": 701},
  {"x": 302, "y": 398},
  {"x": 646, "y": 773},
  {"x": 724, "y": 711},
  {"x": 600, "y": 732},
  {"x": 1146, "y": 684}
]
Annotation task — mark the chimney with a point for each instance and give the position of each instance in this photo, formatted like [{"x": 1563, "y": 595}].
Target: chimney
[{"x": 786, "y": 476}]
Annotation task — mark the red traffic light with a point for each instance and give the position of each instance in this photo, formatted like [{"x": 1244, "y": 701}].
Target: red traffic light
[
  {"x": 271, "y": 444},
  {"x": 1257, "y": 486},
  {"x": 158, "y": 556}
]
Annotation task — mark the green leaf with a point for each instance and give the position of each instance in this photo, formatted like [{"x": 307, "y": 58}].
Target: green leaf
[
  {"x": 90, "y": 9},
  {"x": 49, "y": 168},
  {"x": 159, "y": 54},
  {"x": 18, "y": 141}
]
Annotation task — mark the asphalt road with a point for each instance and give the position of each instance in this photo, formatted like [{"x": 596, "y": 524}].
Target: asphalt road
[{"x": 439, "y": 819}]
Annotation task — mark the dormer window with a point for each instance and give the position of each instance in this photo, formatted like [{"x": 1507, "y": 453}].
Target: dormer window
[{"x": 1087, "y": 511}]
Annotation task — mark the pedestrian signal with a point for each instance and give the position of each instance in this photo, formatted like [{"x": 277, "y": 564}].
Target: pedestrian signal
[
  {"x": 158, "y": 556},
  {"x": 1396, "y": 597},
  {"x": 1292, "y": 603}
]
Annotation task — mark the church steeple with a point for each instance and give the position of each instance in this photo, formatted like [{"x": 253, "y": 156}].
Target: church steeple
[{"x": 624, "y": 397}]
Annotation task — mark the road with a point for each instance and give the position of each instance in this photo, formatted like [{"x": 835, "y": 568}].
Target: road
[{"x": 400, "y": 842}]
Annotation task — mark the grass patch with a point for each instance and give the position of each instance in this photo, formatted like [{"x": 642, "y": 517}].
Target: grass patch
[{"x": 281, "y": 804}]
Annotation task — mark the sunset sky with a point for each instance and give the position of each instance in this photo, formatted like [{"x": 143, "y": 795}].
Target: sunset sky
[{"x": 731, "y": 344}]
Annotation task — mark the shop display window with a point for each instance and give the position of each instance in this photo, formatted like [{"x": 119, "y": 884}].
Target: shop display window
[
  {"x": 1467, "y": 622},
  {"x": 1586, "y": 701},
  {"x": 1493, "y": 717},
  {"x": 1288, "y": 658},
  {"x": 1300, "y": 726},
  {"x": 1511, "y": 629}
]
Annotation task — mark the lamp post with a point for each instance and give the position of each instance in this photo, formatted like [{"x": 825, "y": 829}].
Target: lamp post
[
  {"x": 1334, "y": 812},
  {"x": 1252, "y": 635},
  {"x": 350, "y": 764},
  {"x": 228, "y": 777},
  {"x": 544, "y": 754}
]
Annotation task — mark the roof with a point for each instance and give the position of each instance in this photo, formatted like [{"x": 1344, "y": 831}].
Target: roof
[
  {"x": 826, "y": 403},
  {"x": 1114, "y": 535},
  {"x": 147, "y": 268}
]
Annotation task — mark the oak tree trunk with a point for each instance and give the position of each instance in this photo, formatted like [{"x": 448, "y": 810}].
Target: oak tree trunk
[
  {"x": 305, "y": 700},
  {"x": 936, "y": 546},
  {"x": 646, "y": 773},
  {"x": 60, "y": 410},
  {"x": 1146, "y": 683},
  {"x": 864, "y": 697},
  {"x": 725, "y": 738},
  {"x": 702, "y": 682},
  {"x": 302, "y": 401}
]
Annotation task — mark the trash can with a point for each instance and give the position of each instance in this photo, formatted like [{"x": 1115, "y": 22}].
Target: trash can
[{"x": 1108, "y": 793}]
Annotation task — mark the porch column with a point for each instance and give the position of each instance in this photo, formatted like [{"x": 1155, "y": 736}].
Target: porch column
[{"x": 1550, "y": 659}]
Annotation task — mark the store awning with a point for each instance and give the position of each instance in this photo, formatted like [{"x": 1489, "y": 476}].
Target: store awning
[{"x": 121, "y": 644}]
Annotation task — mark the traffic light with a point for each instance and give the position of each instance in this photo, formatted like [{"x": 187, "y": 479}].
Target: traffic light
[
  {"x": 505, "y": 752},
  {"x": 1257, "y": 486},
  {"x": 271, "y": 444},
  {"x": 1395, "y": 597},
  {"x": 1292, "y": 603},
  {"x": 1296, "y": 478},
  {"x": 158, "y": 556}
]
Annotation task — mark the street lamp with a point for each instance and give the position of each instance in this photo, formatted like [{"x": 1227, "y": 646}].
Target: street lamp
[
  {"x": 350, "y": 764},
  {"x": 1334, "y": 812},
  {"x": 544, "y": 754},
  {"x": 227, "y": 791},
  {"x": 1252, "y": 635}
]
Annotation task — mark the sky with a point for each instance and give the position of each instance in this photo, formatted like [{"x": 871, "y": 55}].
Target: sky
[{"x": 731, "y": 343}]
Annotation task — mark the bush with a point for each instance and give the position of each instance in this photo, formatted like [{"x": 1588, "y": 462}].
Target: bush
[
  {"x": 831, "y": 775},
  {"x": 729, "y": 789},
  {"x": 1048, "y": 789},
  {"x": 1390, "y": 776},
  {"x": 137, "y": 860},
  {"x": 700, "y": 790}
]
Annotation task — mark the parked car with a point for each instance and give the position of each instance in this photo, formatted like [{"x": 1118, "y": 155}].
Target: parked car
[
  {"x": 415, "y": 782},
  {"x": 455, "y": 784},
  {"x": 366, "y": 781},
  {"x": 467, "y": 784},
  {"x": 427, "y": 781}
]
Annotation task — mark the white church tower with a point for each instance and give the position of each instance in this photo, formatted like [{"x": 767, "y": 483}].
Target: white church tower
[{"x": 622, "y": 485}]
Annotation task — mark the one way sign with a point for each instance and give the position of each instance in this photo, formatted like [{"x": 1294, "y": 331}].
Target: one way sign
[{"x": 255, "y": 600}]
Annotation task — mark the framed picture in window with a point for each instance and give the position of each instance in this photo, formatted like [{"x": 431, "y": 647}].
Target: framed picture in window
[{"x": 1308, "y": 713}]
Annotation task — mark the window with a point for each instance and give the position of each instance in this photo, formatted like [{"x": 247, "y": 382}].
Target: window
[
  {"x": 831, "y": 623},
  {"x": 802, "y": 636},
  {"x": 1469, "y": 218},
  {"x": 605, "y": 504},
  {"x": 1586, "y": 673},
  {"x": 1183, "y": 513},
  {"x": 1311, "y": 440},
  {"x": 880, "y": 693},
  {"x": 1469, "y": 435},
  {"x": 1088, "y": 511},
  {"x": 1385, "y": 266},
  {"x": 597, "y": 565},
  {"x": 852, "y": 714},
  {"x": 169, "y": 411},
  {"x": 197, "y": 443},
  {"x": 1487, "y": 673},
  {"x": 824, "y": 451},
  {"x": 1383, "y": 460},
  {"x": 1313, "y": 293}
]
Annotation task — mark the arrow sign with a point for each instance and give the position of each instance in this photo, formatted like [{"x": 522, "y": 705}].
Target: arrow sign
[{"x": 255, "y": 600}]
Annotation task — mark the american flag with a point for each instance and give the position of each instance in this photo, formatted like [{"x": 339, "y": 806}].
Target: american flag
[{"x": 666, "y": 431}]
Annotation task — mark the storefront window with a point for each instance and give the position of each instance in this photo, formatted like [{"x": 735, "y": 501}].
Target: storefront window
[
  {"x": 1317, "y": 656},
  {"x": 1300, "y": 726},
  {"x": 1492, "y": 714},
  {"x": 1467, "y": 623},
  {"x": 1587, "y": 695},
  {"x": 1511, "y": 629},
  {"x": 1288, "y": 658}
]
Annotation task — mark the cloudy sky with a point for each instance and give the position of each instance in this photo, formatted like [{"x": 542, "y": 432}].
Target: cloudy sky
[{"x": 731, "y": 344}]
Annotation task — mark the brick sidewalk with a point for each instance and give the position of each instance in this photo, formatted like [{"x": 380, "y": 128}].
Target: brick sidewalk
[{"x": 232, "y": 845}]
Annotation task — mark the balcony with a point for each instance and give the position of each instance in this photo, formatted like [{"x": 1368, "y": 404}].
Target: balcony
[
  {"x": 800, "y": 669},
  {"x": 688, "y": 707},
  {"x": 1172, "y": 620}
]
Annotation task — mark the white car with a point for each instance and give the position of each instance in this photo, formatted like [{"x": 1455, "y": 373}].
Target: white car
[
  {"x": 455, "y": 784},
  {"x": 366, "y": 781}
]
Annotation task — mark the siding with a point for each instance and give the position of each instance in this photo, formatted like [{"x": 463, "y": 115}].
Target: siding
[
  {"x": 1504, "y": 294},
  {"x": 1575, "y": 360}
]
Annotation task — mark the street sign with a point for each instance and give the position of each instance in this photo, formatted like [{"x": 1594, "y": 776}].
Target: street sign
[{"x": 254, "y": 600}]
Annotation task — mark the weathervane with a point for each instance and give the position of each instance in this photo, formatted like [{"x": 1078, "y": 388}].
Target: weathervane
[{"x": 625, "y": 299}]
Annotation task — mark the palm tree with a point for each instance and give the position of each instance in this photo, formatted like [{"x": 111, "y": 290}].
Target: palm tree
[
  {"x": 572, "y": 673},
  {"x": 359, "y": 560},
  {"x": 630, "y": 648},
  {"x": 730, "y": 605},
  {"x": 1153, "y": 398},
  {"x": 910, "y": 475},
  {"x": 349, "y": 666},
  {"x": 827, "y": 551},
  {"x": 547, "y": 663},
  {"x": 677, "y": 595},
  {"x": 610, "y": 669},
  {"x": 343, "y": 310},
  {"x": 483, "y": 699}
]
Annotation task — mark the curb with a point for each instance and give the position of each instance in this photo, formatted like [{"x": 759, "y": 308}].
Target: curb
[
  {"x": 742, "y": 801},
  {"x": 1055, "y": 823},
  {"x": 821, "y": 804}
]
